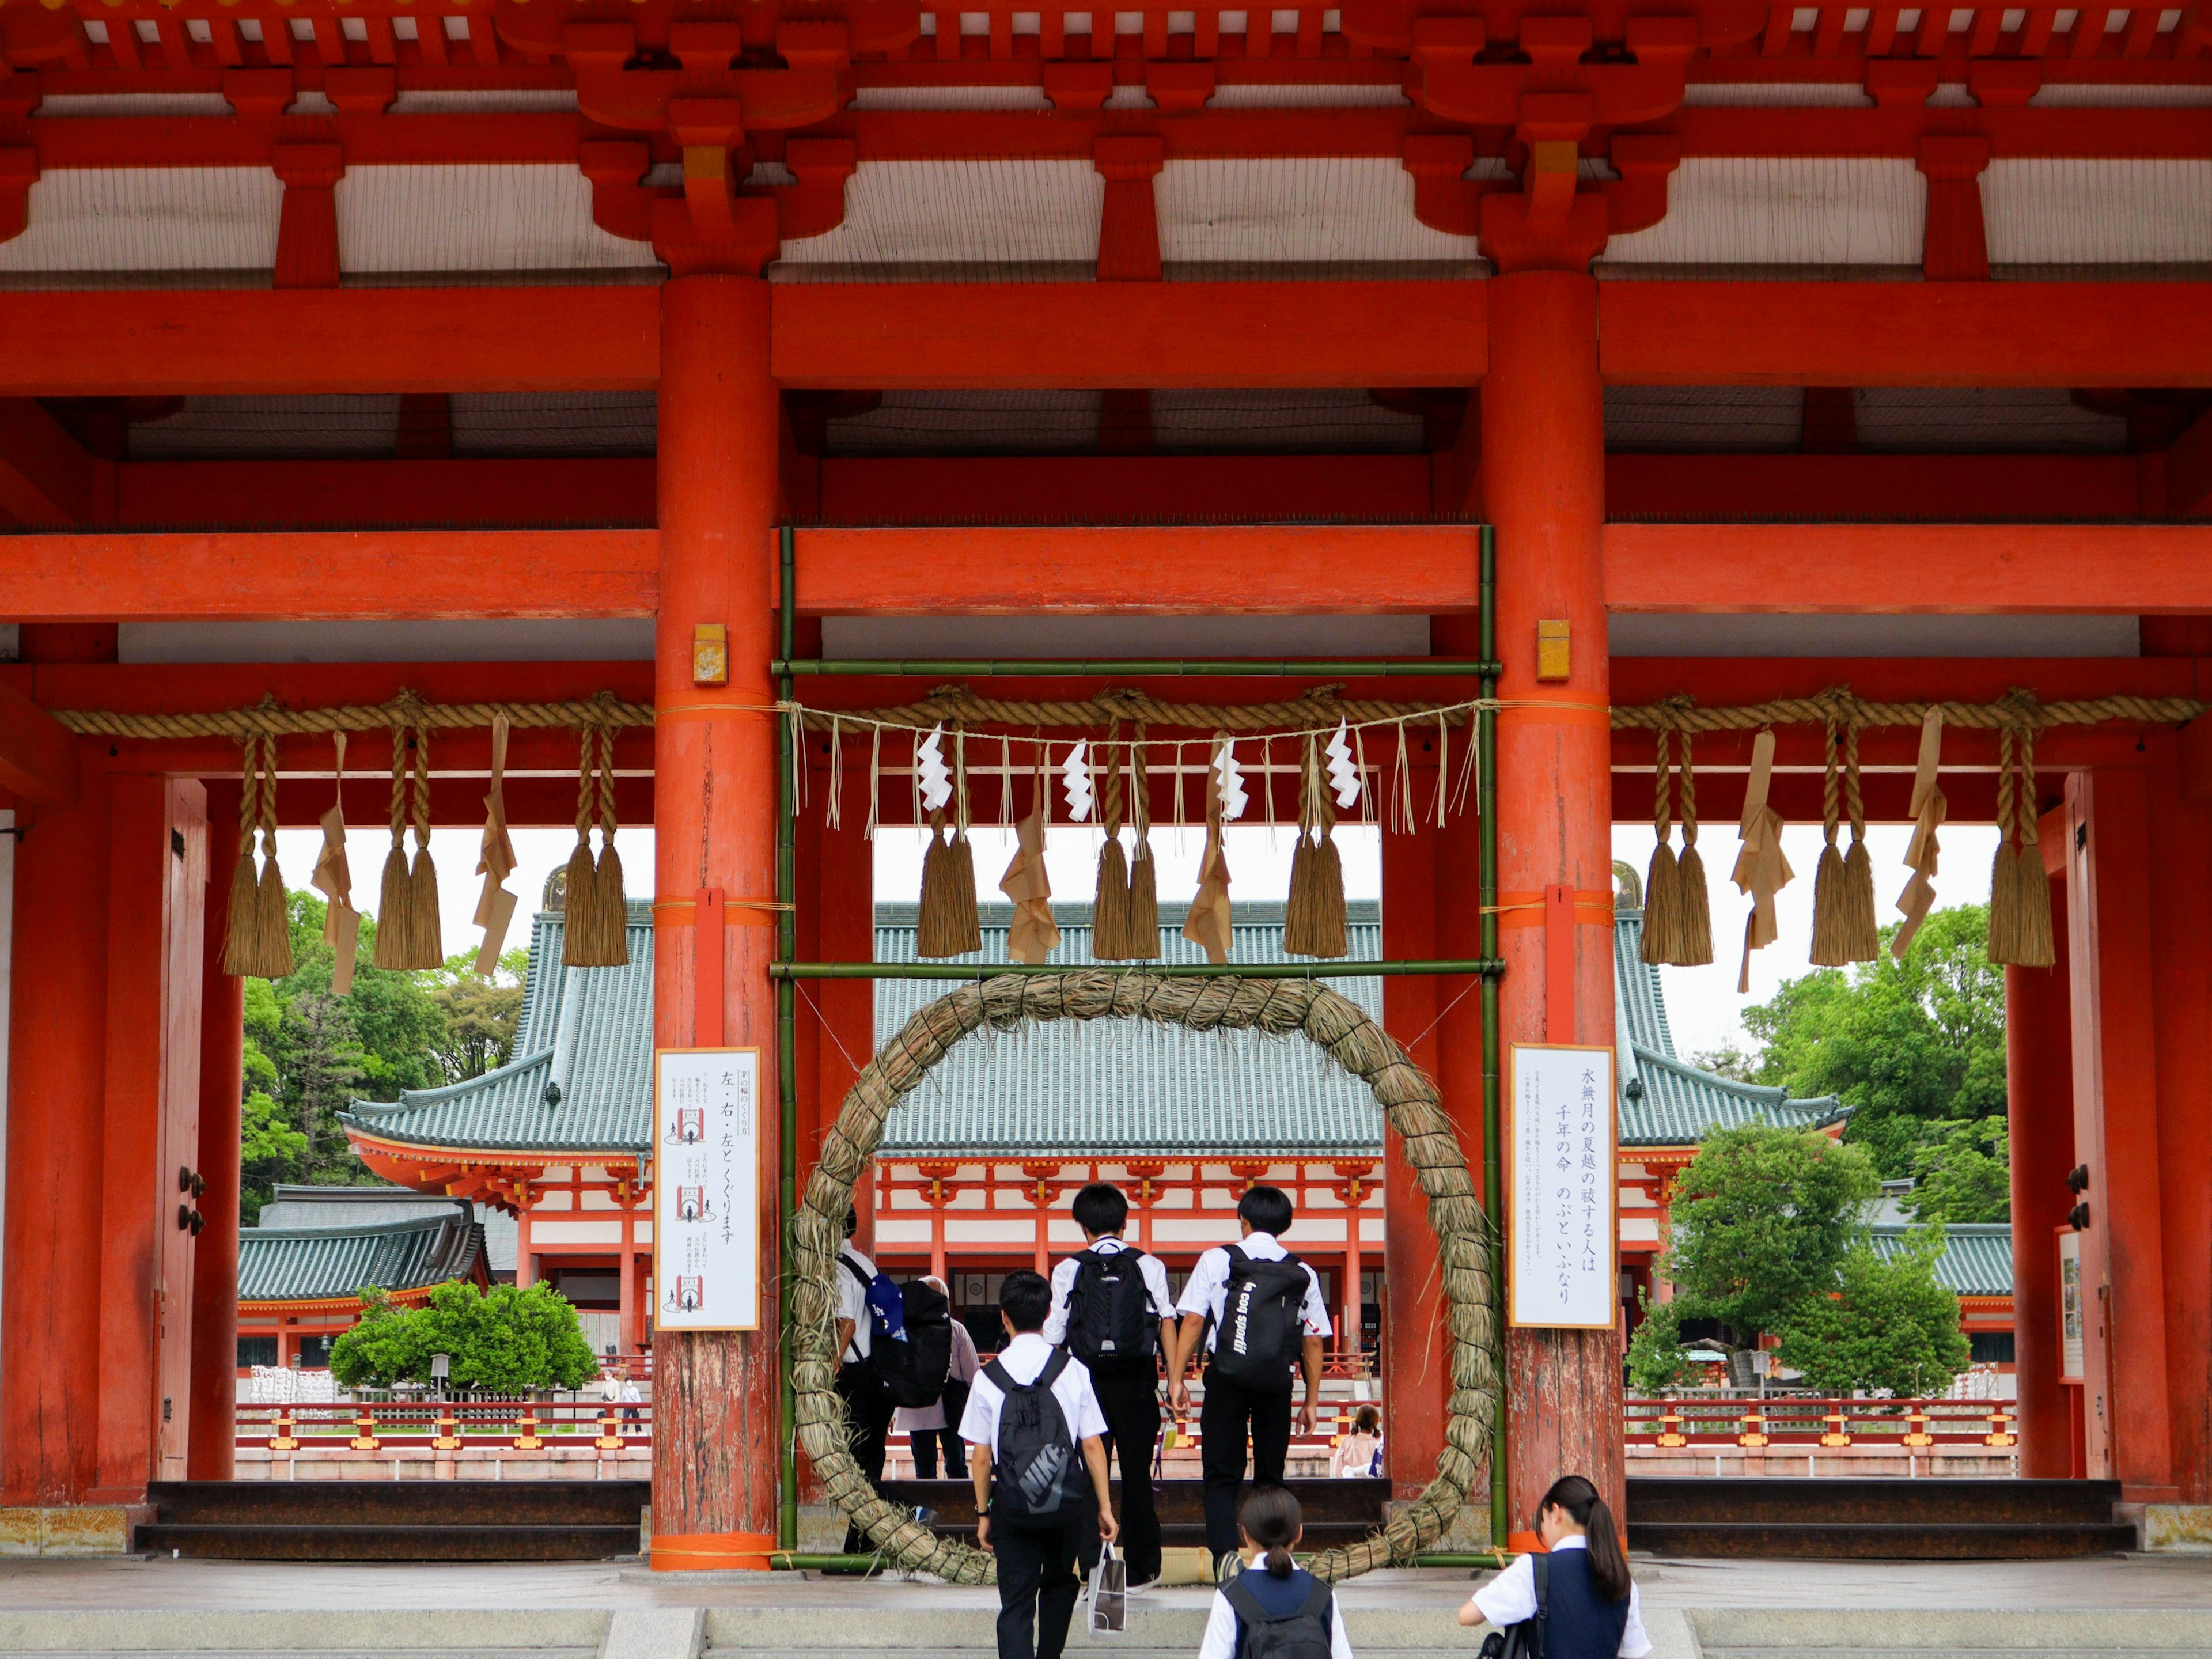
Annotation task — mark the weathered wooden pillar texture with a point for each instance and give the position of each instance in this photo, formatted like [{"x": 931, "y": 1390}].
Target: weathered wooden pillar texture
[
  {"x": 213, "y": 1453},
  {"x": 715, "y": 1395}
]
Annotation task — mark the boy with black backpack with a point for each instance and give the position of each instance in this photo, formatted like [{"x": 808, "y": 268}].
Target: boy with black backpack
[
  {"x": 1112, "y": 1310},
  {"x": 870, "y": 1310},
  {"x": 1036, "y": 1451},
  {"x": 1263, "y": 1319}
]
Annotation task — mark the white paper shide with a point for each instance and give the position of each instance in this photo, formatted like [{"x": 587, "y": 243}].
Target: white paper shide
[
  {"x": 1560, "y": 1244},
  {"x": 706, "y": 1191}
]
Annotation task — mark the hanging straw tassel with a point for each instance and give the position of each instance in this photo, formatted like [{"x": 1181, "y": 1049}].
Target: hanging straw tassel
[
  {"x": 1694, "y": 915},
  {"x": 1141, "y": 928},
  {"x": 971, "y": 932},
  {"x": 946, "y": 925},
  {"x": 426, "y": 930},
  {"x": 1663, "y": 881},
  {"x": 1830, "y": 880},
  {"x": 1860, "y": 934},
  {"x": 257, "y": 936},
  {"x": 1314, "y": 920},
  {"x": 2035, "y": 945},
  {"x": 607, "y": 885},
  {"x": 494, "y": 859},
  {"x": 586, "y": 944},
  {"x": 2004, "y": 882},
  {"x": 1109, "y": 910},
  {"x": 395, "y": 907}
]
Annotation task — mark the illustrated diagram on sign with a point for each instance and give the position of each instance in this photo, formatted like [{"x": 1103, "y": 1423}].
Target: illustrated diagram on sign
[
  {"x": 687, "y": 1295},
  {"x": 707, "y": 1202},
  {"x": 692, "y": 1204},
  {"x": 690, "y": 1127}
]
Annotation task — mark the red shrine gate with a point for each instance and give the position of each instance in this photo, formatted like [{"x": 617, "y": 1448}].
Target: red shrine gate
[{"x": 720, "y": 149}]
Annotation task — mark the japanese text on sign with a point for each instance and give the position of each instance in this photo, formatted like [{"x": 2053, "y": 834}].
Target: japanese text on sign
[
  {"x": 1560, "y": 1248},
  {"x": 706, "y": 1203}
]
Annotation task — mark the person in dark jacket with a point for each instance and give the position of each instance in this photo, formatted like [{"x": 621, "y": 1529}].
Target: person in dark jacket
[{"x": 1590, "y": 1603}]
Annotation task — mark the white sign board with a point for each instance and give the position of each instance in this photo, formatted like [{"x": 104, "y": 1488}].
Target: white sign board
[
  {"x": 2070, "y": 1362},
  {"x": 706, "y": 1189},
  {"x": 1561, "y": 1188}
]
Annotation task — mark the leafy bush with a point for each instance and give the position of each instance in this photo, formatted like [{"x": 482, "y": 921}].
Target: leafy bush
[
  {"x": 1889, "y": 1326},
  {"x": 506, "y": 1340}
]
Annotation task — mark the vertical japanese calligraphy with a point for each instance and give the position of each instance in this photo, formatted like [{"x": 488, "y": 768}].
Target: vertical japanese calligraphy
[
  {"x": 1559, "y": 1201},
  {"x": 706, "y": 1189}
]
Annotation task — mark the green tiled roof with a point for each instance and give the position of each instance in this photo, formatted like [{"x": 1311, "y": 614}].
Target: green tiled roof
[
  {"x": 1977, "y": 1258},
  {"x": 581, "y": 1080},
  {"x": 1117, "y": 1088},
  {"x": 303, "y": 1265},
  {"x": 1663, "y": 1102}
]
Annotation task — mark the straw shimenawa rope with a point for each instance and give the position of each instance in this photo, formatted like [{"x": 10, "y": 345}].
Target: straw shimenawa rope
[{"x": 1281, "y": 1007}]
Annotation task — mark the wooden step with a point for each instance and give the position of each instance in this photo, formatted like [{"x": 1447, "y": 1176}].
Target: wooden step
[
  {"x": 1859, "y": 1540},
  {"x": 1794, "y": 1499},
  {"x": 236, "y": 1541},
  {"x": 1356, "y": 1503},
  {"x": 401, "y": 1503}
]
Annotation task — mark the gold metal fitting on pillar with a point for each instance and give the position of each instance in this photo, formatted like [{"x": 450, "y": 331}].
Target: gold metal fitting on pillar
[
  {"x": 1554, "y": 658},
  {"x": 710, "y": 655}
]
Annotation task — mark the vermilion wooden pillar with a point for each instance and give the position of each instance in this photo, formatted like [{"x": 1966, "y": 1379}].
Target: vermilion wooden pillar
[
  {"x": 2110, "y": 895},
  {"x": 2181, "y": 858},
  {"x": 2039, "y": 1104},
  {"x": 57, "y": 1025},
  {"x": 842, "y": 1010},
  {"x": 715, "y": 1395},
  {"x": 1416, "y": 1367},
  {"x": 1543, "y": 480},
  {"x": 212, "y": 1456}
]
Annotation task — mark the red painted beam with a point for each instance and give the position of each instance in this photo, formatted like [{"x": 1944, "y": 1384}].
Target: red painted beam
[
  {"x": 1415, "y": 569},
  {"x": 1929, "y": 570},
  {"x": 416, "y": 575},
  {"x": 1950, "y": 488},
  {"x": 45, "y": 476},
  {"x": 880, "y": 336},
  {"x": 1982, "y": 334},
  {"x": 473, "y": 490},
  {"x": 2189, "y": 471},
  {"x": 170, "y": 341},
  {"x": 1104, "y": 490},
  {"x": 38, "y": 754}
]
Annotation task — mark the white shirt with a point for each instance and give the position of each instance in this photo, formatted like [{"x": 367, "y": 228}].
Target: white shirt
[
  {"x": 1024, "y": 1358},
  {"x": 909, "y": 1418},
  {"x": 1511, "y": 1597},
  {"x": 1154, "y": 1271},
  {"x": 853, "y": 1303},
  {"x": 1220, "y": 1641},
  {"x": 1207, "y": 1290}
]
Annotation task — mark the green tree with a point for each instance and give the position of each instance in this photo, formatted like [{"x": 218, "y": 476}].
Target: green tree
[
  {"x": 1963, "y": 1174},
  {"x": 1656, "y": 1359},
  {"x": 1889, "y": 1326},
  {"x": 506, "y": 1340},
  {"x": 1910, "y": 1045},
  {"x": 1761, "y": 1220},
  {"x": 270, "y": 1151},
  {"x": 481, "y": 1014}
]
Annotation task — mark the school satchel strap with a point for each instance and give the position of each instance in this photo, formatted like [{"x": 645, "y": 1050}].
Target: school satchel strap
[
  {"x": 1246, "y": 1604},
  {"x": 1317, "y": 1600},
  {"x": 854, "y": 1268},
  {"x": 1001, "y": 1378}
]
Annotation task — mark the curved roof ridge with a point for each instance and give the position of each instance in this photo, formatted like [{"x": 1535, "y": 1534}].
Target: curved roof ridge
[{"x": 410, "y": 1099}]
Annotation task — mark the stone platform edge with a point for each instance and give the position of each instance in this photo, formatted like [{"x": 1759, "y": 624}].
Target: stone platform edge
[{"x": 77, "y": 1530}]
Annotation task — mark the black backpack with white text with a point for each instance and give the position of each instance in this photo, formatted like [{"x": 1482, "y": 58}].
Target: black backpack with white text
[{"x": 1110, "y": 1326}]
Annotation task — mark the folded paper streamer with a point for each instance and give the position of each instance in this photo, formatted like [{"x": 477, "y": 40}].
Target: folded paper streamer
[
  {"x": 2020, "y": 892},
  {"x": 1760, "y": 869},
  {"x": 1033, "y": 933},
  {"x": 1314, "y": 921},
  {"x": 258, "y": 939},
  {"x": 1075, "y": 780},
  {"x": 931, "y": 775},
  {"x": 1927, "y": 808},
  {"x": 1206, "y": 924},
  {"x": 1843, "y": 928},
  {"x": 333, "y": 879},
  {"x": 1677, "y": 922},
  {"x": 1343, "y": 770},
  {"x": 494, "y": 859},
  {"x": 946, "y": 924},
  {"x": 597, "y": 932}
]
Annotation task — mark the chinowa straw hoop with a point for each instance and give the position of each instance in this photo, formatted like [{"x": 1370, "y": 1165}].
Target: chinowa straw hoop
[{"x": 1278, "y": 1007}]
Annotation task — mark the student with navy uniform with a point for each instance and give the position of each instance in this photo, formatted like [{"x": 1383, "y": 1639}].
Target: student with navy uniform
[
  {"x": 1037, "y": 1451},
  {"x": 1112, "y": 1310},
  {"x": 1273, "y": 1608},
  {"x": 1263, "y": 1319},
  {"x": 1590, "y": 1605}
]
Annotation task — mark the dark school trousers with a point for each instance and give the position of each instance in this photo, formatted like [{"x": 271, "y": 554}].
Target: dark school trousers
[
  {"x": 1228, "y": 1413},
  {"x": 1131, "y": 1406},
  {"x": 925, "y": 1444},
  {"x": 1038, "y": 1585},
  {"x": 870, "y": 1415}
]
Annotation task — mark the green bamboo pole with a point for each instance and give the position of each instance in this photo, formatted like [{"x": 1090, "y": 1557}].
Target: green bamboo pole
[
  {"x": 786, "y": 1058},
  {"x": 1486, "y": 806},
  {"x": 788, "y": 971},
  {"x": 1148, "y": 667}
]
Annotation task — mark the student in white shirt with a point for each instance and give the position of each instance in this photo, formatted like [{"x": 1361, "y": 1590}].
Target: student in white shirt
[
  {"x": 1039, "y": 1528},
  {"x": 1591, "y": 1606},
  {"x": 1272, "y": 1586},
  {"x": 1248, "y": 1402},
  {"x": 929, "y": 1427},
  {"x": 1128, "y": 1383},
  {"x": 867, "y": 1402}
]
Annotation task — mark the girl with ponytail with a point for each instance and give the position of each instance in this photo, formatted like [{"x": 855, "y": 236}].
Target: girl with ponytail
[
  {"x": 1273, "y": 1608},
  {"x": 1575, "y": 1601}
]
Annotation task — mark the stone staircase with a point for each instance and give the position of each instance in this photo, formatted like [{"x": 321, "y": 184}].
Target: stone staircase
[
  {"x": 1839, "y": 1519},
  {"x": 395, "y": 1520},
  {"x": 1337, "y": 1512}
]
